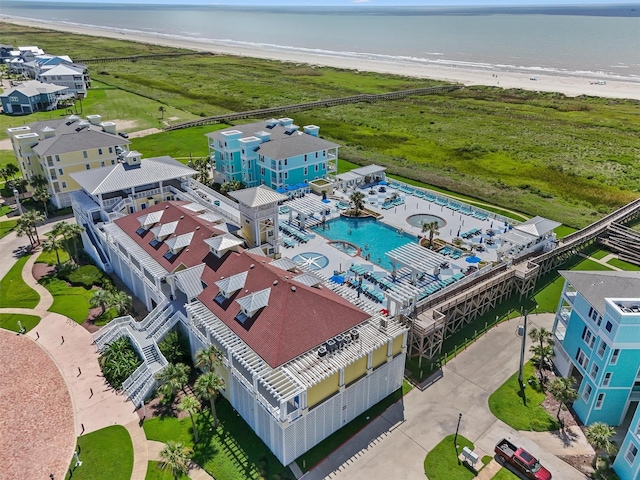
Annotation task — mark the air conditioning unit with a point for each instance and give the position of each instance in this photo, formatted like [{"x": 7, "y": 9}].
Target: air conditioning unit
[{"x": 383, "y": 322}]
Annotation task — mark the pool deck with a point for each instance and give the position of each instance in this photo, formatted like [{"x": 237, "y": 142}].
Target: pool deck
[{"x": 395, "y": 217}]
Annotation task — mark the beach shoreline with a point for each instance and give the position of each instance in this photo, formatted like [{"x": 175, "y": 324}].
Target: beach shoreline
[{"x": 570, "y": 85}]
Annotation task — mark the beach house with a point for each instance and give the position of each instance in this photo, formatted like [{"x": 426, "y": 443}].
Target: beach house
[
  {"x": 275, "y": 153},
  {"x": 53, "y": 149},
  {"x": 71, "y": 76},
  {"x": 300, "y": 361},
  {"x": 32, "y": 96},
  {"x": 597, "y": 343}
]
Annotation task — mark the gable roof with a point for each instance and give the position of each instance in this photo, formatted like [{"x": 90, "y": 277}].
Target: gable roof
[
  {"x": 85, "y": 139},
  {"x": 596, "y": 286},
  {"x": 537, "y": 226},
  {"x": 257, "y": 196},
  {"x": 33, "y": 88},
  {"x": 121, "y": 176},
  {"x": 189, "y": 280},
  {"x": 61, "y": 70}
]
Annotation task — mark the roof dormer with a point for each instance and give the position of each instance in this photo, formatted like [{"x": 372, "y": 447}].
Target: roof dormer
[
  {"x": 251, "y": 304},
  {"x": 176, "y": 244},
  {"x": 230, "y": 285},
  {"x": 161, "y": 232},
  {"x": 147, "y": 221},
  {"x": 222, "y": 244}
]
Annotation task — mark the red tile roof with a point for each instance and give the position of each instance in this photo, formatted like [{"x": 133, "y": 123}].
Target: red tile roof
[{"x": 298, "y": 318}]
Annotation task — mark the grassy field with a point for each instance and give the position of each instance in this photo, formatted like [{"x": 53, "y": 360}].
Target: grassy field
[
  {"x": 507, "y": 405},
  {"x": 106, "y": 454},
  {"x": 14, "y": 293},
  {"x": 50, "y": 257},
  {"x": 180, "y": 144},
  {"x": 9, "y": 321},
  {"x": 624, "y": 265},
  {"x": 570, "y": 159},
  {"x": 504, "y": 474},
  {"x": 7, "y": 226},
  {"x": 72, "y": 302},
  {"x": 154, "y": 472}
]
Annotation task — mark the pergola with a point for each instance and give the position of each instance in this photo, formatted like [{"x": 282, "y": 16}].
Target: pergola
[
  {"x": 305, "y": 207},
  {"x": 417, "y": 259}
]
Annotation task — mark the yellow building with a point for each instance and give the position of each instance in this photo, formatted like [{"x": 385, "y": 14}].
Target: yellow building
[{"x": 53, "y": 149}]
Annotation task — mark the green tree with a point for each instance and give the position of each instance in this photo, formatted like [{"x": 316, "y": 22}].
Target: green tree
[
  {"x": 23, "y": 227},
  {"x": 191, "y": 405},
  {"x": 175, "y": 348},
  {"x": 9, "y": 171},
  {"x": 357, "y": 200},
  {"x": 118, "y": 362},
  {"x": 231, "y": 186},
  {"x": 173, "y": 378},
  {"x": 162, "y": 109},
  {"x": 208, "y": 387},
  {"x": 38, "y": 181},
  {"x": 564, "y": 392},
  {"x": 121, "y": 302},
  {"x": 71, "y": 232},
  {"x": 30, "y": 220},
  {"x": 176, "y": 458},
  {"x": 42, "y": 195},
  {"x": 52, "y": 244},
  {"x": 433, "y": 229},
  {"x": 599, "y": 435},
  {"x": 101, "y": 298},
  {"x": 543, "y": 351},
  {"x": 209, "y": 358}
]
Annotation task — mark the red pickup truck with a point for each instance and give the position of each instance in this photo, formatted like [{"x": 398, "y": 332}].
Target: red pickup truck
[{"x": 521, "y": 460}]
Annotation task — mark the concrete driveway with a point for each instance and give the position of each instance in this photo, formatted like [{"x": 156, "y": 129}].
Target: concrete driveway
[{"x": 395, "y": 444}]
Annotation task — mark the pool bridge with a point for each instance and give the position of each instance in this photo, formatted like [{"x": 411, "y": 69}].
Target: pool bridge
[{"x": 446, "y": 312}]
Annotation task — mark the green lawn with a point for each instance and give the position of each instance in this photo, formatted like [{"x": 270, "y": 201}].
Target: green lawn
[
  {"x": 9, "y": 321},
  {"x": 232, "y": 451},
  {"x": 504, "y": 474},
  {"x": 441, "y": 463},
  {"x": 179, "y": 144},
  {"x": 7, "y": 226},
  {"x": 72, "y": 302},
  {"x": 50, "y": 257},
  {"x": 14, "y": 293},
  {"x": 616, "y": 262},
  {"x": 154, "y": 472},
  {"x": 507, "y": 405},
  {"x": 564, "y": 230},
  {"x": 106, "y": 454},
  {"x": 599, "y": 254}
]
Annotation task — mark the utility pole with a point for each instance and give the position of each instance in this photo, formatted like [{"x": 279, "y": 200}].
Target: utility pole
[{"x": 523, "y": 346}]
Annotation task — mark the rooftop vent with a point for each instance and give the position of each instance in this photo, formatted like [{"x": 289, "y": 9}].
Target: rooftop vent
[
  {"x": 275, "y": 282},
  {"x": 293, "y": 288}
]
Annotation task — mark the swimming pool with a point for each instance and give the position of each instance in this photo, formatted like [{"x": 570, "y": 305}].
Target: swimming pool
[{"x": 374, "y": 238}]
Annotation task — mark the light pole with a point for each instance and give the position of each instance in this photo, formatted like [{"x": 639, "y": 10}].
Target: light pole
[
  {"x": 522, "y": 348},
  {"x": 455, "y": 438},
  {"x": 17, "y": 195}
]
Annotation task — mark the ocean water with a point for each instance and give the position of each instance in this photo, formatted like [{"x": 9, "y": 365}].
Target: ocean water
[{"x": 602, "y": 41}]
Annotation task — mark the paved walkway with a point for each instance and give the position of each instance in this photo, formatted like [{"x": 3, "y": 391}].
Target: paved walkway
[
  {"x": 95, "y": 404},
  {"x": 412, "y": 427}
]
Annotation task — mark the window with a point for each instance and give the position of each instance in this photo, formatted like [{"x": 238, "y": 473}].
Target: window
[
  {"x": 595, "y": 316},
  {"x": 316, "y": 167},
  {"x": 243, "y": 151},
  {"x": 608, "y": 326},
  {"x": 286, "y": 175},
  {"x": 261, "y": 170},
  {"x": 601, "y": 349},
  {"x": 60, "y": 171},
  {"x": 64, "y": 184},
  {"x": 286, "y": 161},
  {"x": 588, "y": 337},
  {"x": 599, "y": 401},
  {"x": 582, "y": 359},
  {"x": 113, "y": 162},
  {"x": 99, "y": 151},
  {"x": 614, "y": 356},
  {"x": 49, "y": 158},
  {"x": 305, "y": 156},
  {"x": 110, "y": 149},
  {"x": 607, "y": 379},
  {"x": 316, "y": 154},
  {"x": 630, "y": 456},
  {"x": 594, "y": 370},
  {"x": 306, "y": 171},
  {"x": 84, "y": 154},
  {"x": 102, "y": 164},
  {"x": 87, "y": 166},
  {"x": 57, "y": 158},
  {"x": 586, "y": 393}
]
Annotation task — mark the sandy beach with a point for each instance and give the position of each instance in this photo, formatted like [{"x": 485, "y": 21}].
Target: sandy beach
[{"x": 571, "y": 85}]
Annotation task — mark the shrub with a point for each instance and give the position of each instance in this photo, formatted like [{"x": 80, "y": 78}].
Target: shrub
[
  {"x": 86, "y": 276},
  {"x": 118, "y": 362},
  {"x": 175, "y": 348}
]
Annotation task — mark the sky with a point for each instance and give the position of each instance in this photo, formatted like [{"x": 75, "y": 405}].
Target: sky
[{"x": 359, "y": 2}]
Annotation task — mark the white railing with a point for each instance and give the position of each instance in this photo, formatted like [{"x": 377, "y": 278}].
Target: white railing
[
  {"x": 134, "y": 376},
  {"x": 164, "y": 328},
  {"x": 111, "y": 201},
  {"x": 115, "y": 215},
  {"x": 152, "y": 328},
  {"x": 121, "y": 204},
  {"x": 152, "y": 315}
]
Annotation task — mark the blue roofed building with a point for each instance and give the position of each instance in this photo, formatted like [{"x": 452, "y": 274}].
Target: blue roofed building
[
  {"x": 32, "y": 96},
  {"x": 275, "y": 153},
  {"x": 597, "y": 342}
]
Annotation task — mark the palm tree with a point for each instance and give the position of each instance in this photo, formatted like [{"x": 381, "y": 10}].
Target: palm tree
[
  {"x": 564, "y": 392},
  {"x": 357, "y": 200},
  {"x": 209, "y": 358},
  {"x": 71, "y": 232},
  {"x": 42, "y": 194},
  {"x": 31, "y": 219},
  {"x": 543, "y": 351},
  {"x": 432, "y": 228},
  {"x": 101, "y": 299},
  {"x": 162, "y": 109},
  {"x": 121, "y": 301},
  {"x": 207, "y": 387},
  {"x": 23, "y": 227},
  {"x": 173, "y": 378},
  {"x": 599, "y": 435},
  {"x": 231, "y": 186},
  {"x": 176, "y": 458},
  {"x": 52, "y": 244},
  {"x": 37, "y": 181},
  {"x": 8, "y": 171},
  {"x": 191, "y": 405}
]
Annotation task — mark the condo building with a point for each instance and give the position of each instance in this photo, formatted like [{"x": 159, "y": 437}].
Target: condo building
[{"x": 597, "y": 342}]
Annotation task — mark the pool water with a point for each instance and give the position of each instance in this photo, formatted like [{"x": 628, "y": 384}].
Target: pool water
[
  {"x": 420, "y": 218},
  {"x": 371, "y": 236}
]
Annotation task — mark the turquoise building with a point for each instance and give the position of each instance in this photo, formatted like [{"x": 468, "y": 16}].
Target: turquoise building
[
  {"x": 597, "y": 342},
  {"x": 275, "y": 153}
]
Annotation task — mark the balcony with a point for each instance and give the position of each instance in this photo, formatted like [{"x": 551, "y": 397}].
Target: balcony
[{"x": 570, "y": 295}]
